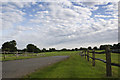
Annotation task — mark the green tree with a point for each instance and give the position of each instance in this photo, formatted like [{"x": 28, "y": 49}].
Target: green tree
[
  {"x": 52, "y": 49},
  {"x": 32, "y": 48},
  {"x": 90, "y": 48},
  {"x": 24, "y": 50},
  {"x": 37, "y": 50},
  {"x": 9, "y": 46},
  {"x": 64, "y": 49},
  {"x": 116, "y": 46},
  {"x": 44, "y": 50},
  {"x": 76, "y": 49},
  {"x": 102, "y": 47},
  {"x": 95, "y": 48},
  {"x": 81, "y": 48}
]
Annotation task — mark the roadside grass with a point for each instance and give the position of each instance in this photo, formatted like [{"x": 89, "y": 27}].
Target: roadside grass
[
  {"x": 77, "y": 67},
  {"x": 74, "y": 67},
  {"x": 18, "y": 58},
  {"x": 114, "y": 59}
]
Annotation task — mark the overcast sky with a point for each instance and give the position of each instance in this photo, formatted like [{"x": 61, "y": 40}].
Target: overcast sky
[{"x": 59, "y": 24}]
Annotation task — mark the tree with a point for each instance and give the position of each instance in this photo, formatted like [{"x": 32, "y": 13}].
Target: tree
[
  {"x": 13, "y": 42},
  {"x": 102, "y": 47},
  {"x": 52, "y": 49},
  {"x": 24, "y": 50},
  {"x": 9, "y": 46},
  {"x": 90, "y": 48},
  {"x": 76, "y": 49},
  {"x": 95, "y": 48},
  {"x": 116, "y": 46},
  {"x": 72, "y": 49},
  {"x": 81, "y": 48},
  {"x": 37, "y": 50},
  {"x": 32, "y": 48},
  {"x": 64, "y": 49},
  {"x": 44, "y": 50}
]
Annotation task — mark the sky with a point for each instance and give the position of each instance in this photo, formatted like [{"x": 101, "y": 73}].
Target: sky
[{"x": 59, "y": 24}]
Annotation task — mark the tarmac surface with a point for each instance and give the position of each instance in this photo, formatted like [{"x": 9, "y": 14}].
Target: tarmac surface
[{"x": 20, "y": 68}]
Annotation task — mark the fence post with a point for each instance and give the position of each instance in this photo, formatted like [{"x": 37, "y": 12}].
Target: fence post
[
  {"x": 81, "y": 53},
  {"x": 93, "y": 56},
  {"x": 16, "y": 54},
  {"x": 4, "y": 54},
  {"x": 108, "y": 62},
  {"x": 87, "y": 55}
]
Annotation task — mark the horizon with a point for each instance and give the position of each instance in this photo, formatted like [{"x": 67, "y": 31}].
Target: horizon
[
  {"x": 63, "y": 47},
  {"x": 60, "y": 24}
]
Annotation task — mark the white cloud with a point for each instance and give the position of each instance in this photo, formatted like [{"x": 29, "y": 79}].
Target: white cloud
[
  {"x": 35, "y": 21},
  {"x": 103, "y": 16},
  {"x": 61, "y": 25},
  {"x": 42, "y": 12},
  {"x": 112, "y": 9},
  {"x": 22, "y": 28},
  {"x": 21, "y": 4},
  {"x": 11, "y": 16}
]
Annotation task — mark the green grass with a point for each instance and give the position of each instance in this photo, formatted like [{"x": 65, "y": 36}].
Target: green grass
[
  {"x": 114, "y": 59},
  {"x": 33, "y": 55},
  {"x": 74, "y": 67}
]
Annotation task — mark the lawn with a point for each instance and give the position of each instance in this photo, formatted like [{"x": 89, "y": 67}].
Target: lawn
[
  {"x": 76, "y": 67},
  {"x": 36, "y": 55},
  {"x": 114, "y": 59}
]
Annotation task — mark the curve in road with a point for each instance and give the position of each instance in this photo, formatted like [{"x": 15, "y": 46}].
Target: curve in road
[{"x": 19, "y": 68}]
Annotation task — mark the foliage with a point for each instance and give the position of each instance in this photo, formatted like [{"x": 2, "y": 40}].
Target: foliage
[
  {"x": 51, "y": 49},
  {"x": 32, "y": 48},
  {"x": 90, "y": 48},
  {"x": 76, "y": 49},
  {"x": 44, "y": 50},
  {"x": 95, "y": 48},
  {"x": 9, "y": 46}
]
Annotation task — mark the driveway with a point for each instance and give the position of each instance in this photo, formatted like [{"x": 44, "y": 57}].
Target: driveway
[{"x": 19, "y": 68}]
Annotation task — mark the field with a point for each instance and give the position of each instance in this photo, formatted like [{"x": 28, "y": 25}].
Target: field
[
  {"x": 74, "y": 67},
  {"x": 35, "y": 55},
  {"x": 77, "y": 67}
]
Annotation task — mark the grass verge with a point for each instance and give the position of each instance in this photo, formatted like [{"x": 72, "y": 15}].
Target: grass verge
[{"x": 74, "y": 67}]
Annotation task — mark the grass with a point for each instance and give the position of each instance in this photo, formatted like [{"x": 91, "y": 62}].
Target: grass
[
  {"x": 74, "y": 67},
  {"x": 114, "y": 59},
  {"x": 34, "y": 55}
]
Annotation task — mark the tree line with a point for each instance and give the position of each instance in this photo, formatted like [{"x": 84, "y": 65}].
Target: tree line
[{"x": 11, "y": 47}]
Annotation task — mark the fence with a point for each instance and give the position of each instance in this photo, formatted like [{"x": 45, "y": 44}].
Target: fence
[
  {"x": 107, "y": 61},
  {"x": 17, "y": 54}
]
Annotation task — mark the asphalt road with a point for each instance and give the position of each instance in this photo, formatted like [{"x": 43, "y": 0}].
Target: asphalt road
[{"x": 19, "y": 68}]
